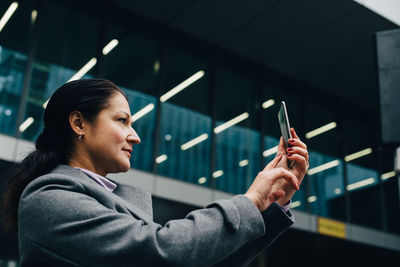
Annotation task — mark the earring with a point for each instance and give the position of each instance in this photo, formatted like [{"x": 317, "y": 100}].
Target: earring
[{"x": 80, "y": 137}]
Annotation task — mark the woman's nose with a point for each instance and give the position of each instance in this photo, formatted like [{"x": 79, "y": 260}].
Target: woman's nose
[{"x": 133, "y": 137}]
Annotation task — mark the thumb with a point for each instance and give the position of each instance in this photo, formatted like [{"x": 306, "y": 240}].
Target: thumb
[
  {"x": 281, "y": 146},
  {"x": 276, "y": 195},
  {"x": 272, "y": 164}
]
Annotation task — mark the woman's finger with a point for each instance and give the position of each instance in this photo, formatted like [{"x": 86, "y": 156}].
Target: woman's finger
[
  {"x": 300, "y": 160},
  {"x": 281, "y": 146},
  {"x": 272, "y": 164},
  {"x": 297, "y": 150},
  {"x": 297, "y": 142},
  {"x": 279, "y": 173},
  {"x": 276, "y": 195}
]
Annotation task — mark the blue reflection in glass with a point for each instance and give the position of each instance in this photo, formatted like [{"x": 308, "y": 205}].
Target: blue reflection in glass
[
  {"x": 179, "y": 126},
  {"x": 12, "y": 67},
  {"x": 232, "y": 147},
  {"x": 144, "y": 127}
]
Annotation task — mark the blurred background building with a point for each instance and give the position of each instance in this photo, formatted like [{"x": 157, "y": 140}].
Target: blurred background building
[{"x": 205, "y": 80}]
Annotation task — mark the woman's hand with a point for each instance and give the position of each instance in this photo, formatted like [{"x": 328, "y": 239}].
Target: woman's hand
[
  {"x": 268, "y": 186},
  {"x": 297, "y": 153}
]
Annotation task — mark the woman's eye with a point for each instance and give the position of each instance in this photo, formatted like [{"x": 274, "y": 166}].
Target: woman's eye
[{"x": 123, "y": 120}]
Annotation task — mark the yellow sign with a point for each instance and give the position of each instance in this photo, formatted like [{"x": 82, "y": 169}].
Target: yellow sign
[{"x": 331, "y": 227}]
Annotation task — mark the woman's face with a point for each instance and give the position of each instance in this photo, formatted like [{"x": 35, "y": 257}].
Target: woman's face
[{"x": 108, "y": 140}]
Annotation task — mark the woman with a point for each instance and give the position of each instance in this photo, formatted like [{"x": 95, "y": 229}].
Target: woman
[{"x": 68, "y": 214}]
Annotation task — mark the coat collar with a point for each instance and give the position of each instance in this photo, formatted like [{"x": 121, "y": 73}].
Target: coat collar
[{"x": 136, "y": 199}]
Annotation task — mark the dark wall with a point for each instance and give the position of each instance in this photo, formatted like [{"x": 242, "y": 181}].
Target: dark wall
[{"x": 388, "y": 58}]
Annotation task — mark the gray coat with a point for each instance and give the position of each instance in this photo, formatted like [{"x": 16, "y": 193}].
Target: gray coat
[{"x": 67, "y": 219}]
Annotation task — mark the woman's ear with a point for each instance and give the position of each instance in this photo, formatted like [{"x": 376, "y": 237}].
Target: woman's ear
[{"x": 76, "y": 122}]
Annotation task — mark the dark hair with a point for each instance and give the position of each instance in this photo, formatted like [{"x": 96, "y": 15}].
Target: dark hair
[{"x": 54, "y": 145}]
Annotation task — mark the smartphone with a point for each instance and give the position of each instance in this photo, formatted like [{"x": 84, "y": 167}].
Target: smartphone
[{"x": 285, "y": 128}]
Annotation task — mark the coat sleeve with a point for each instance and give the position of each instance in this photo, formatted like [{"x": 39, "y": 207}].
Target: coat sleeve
[
  {"x": 59, "y": 222},
  {"x": 276, "y": 222}
]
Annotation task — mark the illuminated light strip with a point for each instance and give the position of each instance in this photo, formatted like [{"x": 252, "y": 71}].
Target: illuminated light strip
[
  {"x": 10, "y": 11},
  {"x": 202, "y": 180},
  {"x": 312, "y": 199},
  {"x": 360, "y": 184},
  {"x": 33, "y": 16},
  {"x": 88, "y": 66},
  {"x": 270, "y": 151},
  {"x": 230, "y": 123},
  {"x": 321, "y": 130},
  {"x": 142, "y": 112},
  {"x": 387, "y": 9},
  {"x": 110, "y": 46},
  {"x": 26, "y": 124},
  {"x": 388, "y": 175},
  {"x": 85, "y": 69},
  {"x": 295, "y": 204},
  {"x": 182, "y": 86},
  {"x": 243, "y": 163},
  {"x": 358, "y": 154},
  {"x": 161, "y": 158},
  {"x": 268, "y": 103},
  {"x": 218, "y": 173},
  {"x": 194, "y": 141},
  {"x": 323, "y": 167}
]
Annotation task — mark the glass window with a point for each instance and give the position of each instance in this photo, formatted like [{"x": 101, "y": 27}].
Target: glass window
[
  {"x": 67, "y": 42},
  {"x": 362, "y": 174},
  {"x": 237, "y": 130},
  {"x": 13, "y": 59},
  {"x": 130, "y": 61},
  {"x": 326, "y": 173},
  {"x": 325, "y": 178},
  {"x": 185, "y": 138}
]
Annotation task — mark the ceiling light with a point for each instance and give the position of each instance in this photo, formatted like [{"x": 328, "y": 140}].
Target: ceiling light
[
  {"x": 85, "y": 69},
  {"x": 26, "y": 124},
  {"x": 243, "y": 163},
  {"x": 321, "y": 130},
  {"x": 110, "y": 46},
  {"x": 268, "y": 103},
  {"x": 295, "y": 204},
  {"x": 161, "y": 158},
  {"x": 202, "y": 180},
  {"x": 360, "y": 184},
  {"x": 230, "y": 123},
  {"x": 88, "y": 66},
  {"x": 10, "y": 11},
  {"x": 358, "y": 154},
  {"x": 142, "y": 112},
  {"x": 194, "y": 141},
  {"x": 218, "y": 173},
  {"x": 312, "y": 199},
  {"x": 388, "y": 175},
  {"x": 337, "y": 191},
  {"x": 323, "y": 167},
  {"x": 156, "y": 66},
  {"x": 389, "y": 9},
  {"x": 33, "y": 16},
  {"x": 270, "y": 151},
  {"x": 182, "y": 86},
  {"x": 168, "y": 137}
]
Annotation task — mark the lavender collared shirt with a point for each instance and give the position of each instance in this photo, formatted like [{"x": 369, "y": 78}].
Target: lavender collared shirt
[
  {"x": 110, "y": 186},
  {"x": 103, "y": 181}
]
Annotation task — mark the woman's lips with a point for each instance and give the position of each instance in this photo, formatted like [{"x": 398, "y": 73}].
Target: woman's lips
[{"x": 128, "y": 151}]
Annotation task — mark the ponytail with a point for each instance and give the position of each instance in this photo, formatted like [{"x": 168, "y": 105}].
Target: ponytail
[
  {"x": 34, "y": 165},
  {"x": 54, "y": 144}
]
